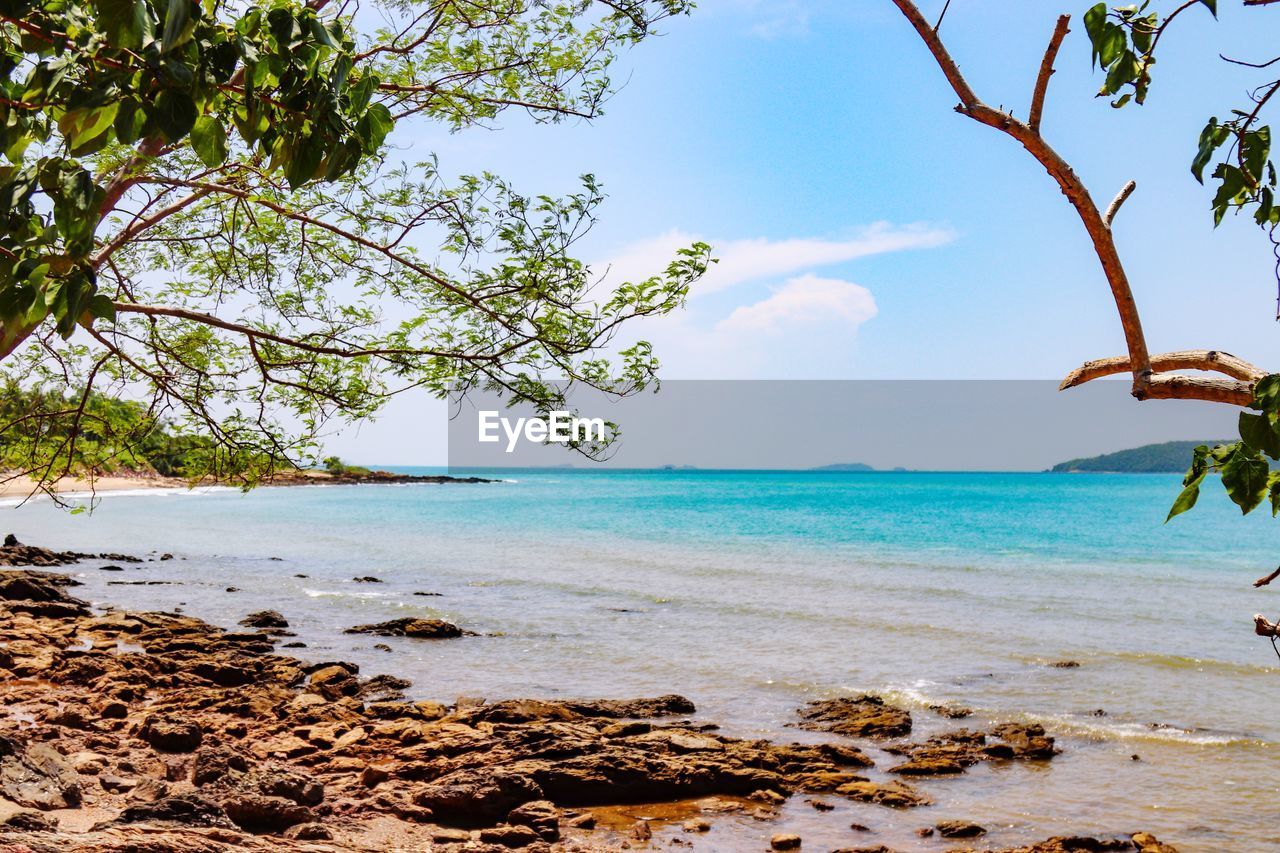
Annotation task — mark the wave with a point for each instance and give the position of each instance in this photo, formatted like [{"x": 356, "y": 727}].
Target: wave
[{"x": 1083, "y": 726}]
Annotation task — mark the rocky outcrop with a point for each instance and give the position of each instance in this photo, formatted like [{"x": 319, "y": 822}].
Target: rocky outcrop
[
  {"x": 858, "y": 716},
  {"x": 422, "y": 629},
  {"x": 953, "y": 752},
  {"x": 189, "y": 738}
]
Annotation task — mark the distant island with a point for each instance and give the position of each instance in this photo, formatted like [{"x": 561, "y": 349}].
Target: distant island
[
  {"x": 845, "y": 466},
  {"x": 1170, "y": 457}
]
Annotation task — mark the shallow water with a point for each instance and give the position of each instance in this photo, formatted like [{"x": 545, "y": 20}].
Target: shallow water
[{"x": 752, "y": 592}]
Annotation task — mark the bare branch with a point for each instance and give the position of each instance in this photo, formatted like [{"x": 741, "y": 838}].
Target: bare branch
[
  {"x": 1046, "y": 71},
  {"x": 1120, "y": 199},
  {"x": 1213, "y": 361},
  {"x": 1070, "y": 184},
  {"x": 1264, "y": 627}
]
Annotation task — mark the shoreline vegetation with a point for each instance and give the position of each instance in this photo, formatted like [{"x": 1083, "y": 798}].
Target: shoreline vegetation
[
  {"x": 16, "y": 485},
  {"x": 158, "y": 731}
]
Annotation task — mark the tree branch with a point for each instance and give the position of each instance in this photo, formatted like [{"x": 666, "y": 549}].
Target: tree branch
[
  {"x": 1070, "y": 184},
  {"x": 1046, "y": 71},
  {"x": 1268, "y": 579},
  {"x": 1120, "y": 199},
  {"x": 1208, "y": 360}
]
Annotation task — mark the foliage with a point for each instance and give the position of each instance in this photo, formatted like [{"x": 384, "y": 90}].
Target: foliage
[
  {"x": 1246, "y": 474},
  {"x": 110, "y": 435},
  {"x": 201, "y": 211},
  {"x": 1125, "y": 39},
  {"x": 338, "y": 468}
]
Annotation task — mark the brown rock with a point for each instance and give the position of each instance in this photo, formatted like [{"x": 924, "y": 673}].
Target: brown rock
[
  {"x": 858, "y": 716},
  {"x": 423, "y": 629},
  {"x": 309, "y": 832},
  {"x": 37, "y": 776},
  {"x": 189, "y": 810},
  {"x": 265, "y": 619},
  {"x": 784, "y": 841},
  {"x": 894, "y": 795},
  {"x": 541, "y": 816},
  {"x": 170, "y": 735},
  {"x": 959, "y": 829},
  {"x": 509, "y": 836},
  {"x": 259, "y": 813}
]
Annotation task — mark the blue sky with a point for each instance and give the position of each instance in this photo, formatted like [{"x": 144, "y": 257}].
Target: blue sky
[{"x": 865, "y": 229}]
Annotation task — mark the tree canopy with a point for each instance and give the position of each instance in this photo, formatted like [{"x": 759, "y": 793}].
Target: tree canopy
[{"x": 202, "y": 211}]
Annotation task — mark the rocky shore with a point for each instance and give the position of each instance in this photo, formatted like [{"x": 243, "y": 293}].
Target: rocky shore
[{"x": 129, "y": 731}]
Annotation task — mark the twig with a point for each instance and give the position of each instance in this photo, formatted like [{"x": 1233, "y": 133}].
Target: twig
[
  {"x": 1121, "y": 198},
  {"x": 1046, "y": 71}
]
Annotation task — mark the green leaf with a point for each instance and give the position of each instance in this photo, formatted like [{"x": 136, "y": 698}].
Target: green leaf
[
  {"x": 1266, "y": 394},
  {"x": 82, "y": 125},
  {"x": 1094, "y": 23},
  {"x": 101, "y": 307},
  {"x": 1273, "y": 490},
  {"x": 374, "y": 127},
  {"x": 175, "y": 114},
  {"x": 1259, "y": 433},
  {"x": 1245, "y": 479},
  {"x": 127, "y": 23},
  {"x": 209, "y": 139},
  {"x": 177, "y": 25},
  {"x": 1212, "y": 6},
  {"x": 1186, "y": 498},
  {"x": 1211, "y": 138}
]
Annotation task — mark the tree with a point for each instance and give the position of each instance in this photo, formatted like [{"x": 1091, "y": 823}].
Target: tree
[
  {"x": 1125, "y": 40},
  {"x": 201, "y": 210}
]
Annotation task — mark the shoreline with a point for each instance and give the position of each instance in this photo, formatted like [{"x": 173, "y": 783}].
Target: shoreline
[
  {"x": 163, "y": 727},
  {"x": 22, "y": 486}
]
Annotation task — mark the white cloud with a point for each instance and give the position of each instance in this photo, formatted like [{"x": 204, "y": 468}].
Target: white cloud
[
  {"x": 758, "y": 258},
  {"x": 804, "y": 301}
]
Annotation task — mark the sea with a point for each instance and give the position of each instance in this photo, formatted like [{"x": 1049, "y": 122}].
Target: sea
[{"x": 754, "y": 592}]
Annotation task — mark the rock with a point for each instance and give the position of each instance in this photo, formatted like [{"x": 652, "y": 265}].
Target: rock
[
  {"x": 954, "y": 752},
  {"x": 1065, "y": 664},
  {"x": 1025, "y": 740},
  {"x": 1148, "y": 843},
  {"x": 444, "y": 835},
  {"x": 859, "y": 716},
  {"x": 168, "y": 735},
  {"x": 190, "y": 810},
  {"x": 285, "y": 784},
  {"x": 28, "y": 820},
  {"x": 309, "y": 832},
  {"x": 113, "y": 710},
  {"x": 509, "y": 836},
  {"x": 585, "y": 820},
  {"x": 265, "y": 619},
  {"x": 697, "y": 824},
  {"x": 894, "y": 795},
  {"x": 333, "y": 682},
  {"x": 541, "y": 816},
  {"x": 116, "y": 784},
  {"x": 259, "y": 813},
  {"x": 37, "y": 776},
  {"x": 422, "y": 629},
  {"x": 384, "y": 688},
  {"x": 374, "y": 775},
  {"x": 111, "y": 568},
  {"x": 641, "y": 831},
  {"x": 951, "y": 712},
  {"x": 661, "y": 706},
  {"x": 959, "y": 829},
  {"x": 477, "y": 797},
  {"x": 367, "y": 579},
  {"x": 784, "y": 841}
]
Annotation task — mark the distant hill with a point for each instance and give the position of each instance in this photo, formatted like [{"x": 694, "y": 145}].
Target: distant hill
[
  {"x": 1171, "y": 457},
  {"x": 845, "y": 466}
]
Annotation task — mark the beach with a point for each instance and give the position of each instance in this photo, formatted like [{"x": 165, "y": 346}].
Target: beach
[{"x": 958, "y": 600}]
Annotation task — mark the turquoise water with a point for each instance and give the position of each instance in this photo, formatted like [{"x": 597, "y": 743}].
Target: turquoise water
[{"x": 752, "y": 592}]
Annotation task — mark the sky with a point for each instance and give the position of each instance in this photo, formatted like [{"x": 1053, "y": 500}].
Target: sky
[{"x": 864, "y": 229}]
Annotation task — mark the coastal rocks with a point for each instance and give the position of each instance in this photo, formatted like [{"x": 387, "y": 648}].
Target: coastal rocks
[
  {"x": 169, "y": 735},
  {"x": 262, "y": 813},
  {"x": 37, "y": 776},
  {"x": 422, "y": 629},
  {"x": 188, "y": 810},
  {"x": 476, "y": 797},
  {"x": 858, "y": 716},
  {"x": 953, "y": 752},
  {"x": 1140, "y": 842},
  {"x": 14, "y": 553},
  {"x": 959, "y": 829},
  {"x": 784, "y": 841},
  {"x": 894, "y": 795},
  {"x": 541, "y": 816},
  {"x": 268, "y": 619}
]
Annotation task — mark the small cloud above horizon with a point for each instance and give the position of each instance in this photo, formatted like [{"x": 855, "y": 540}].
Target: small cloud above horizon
[
  {"x": 804, "y": 301},
  {"x": 745, "y": 260}
]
